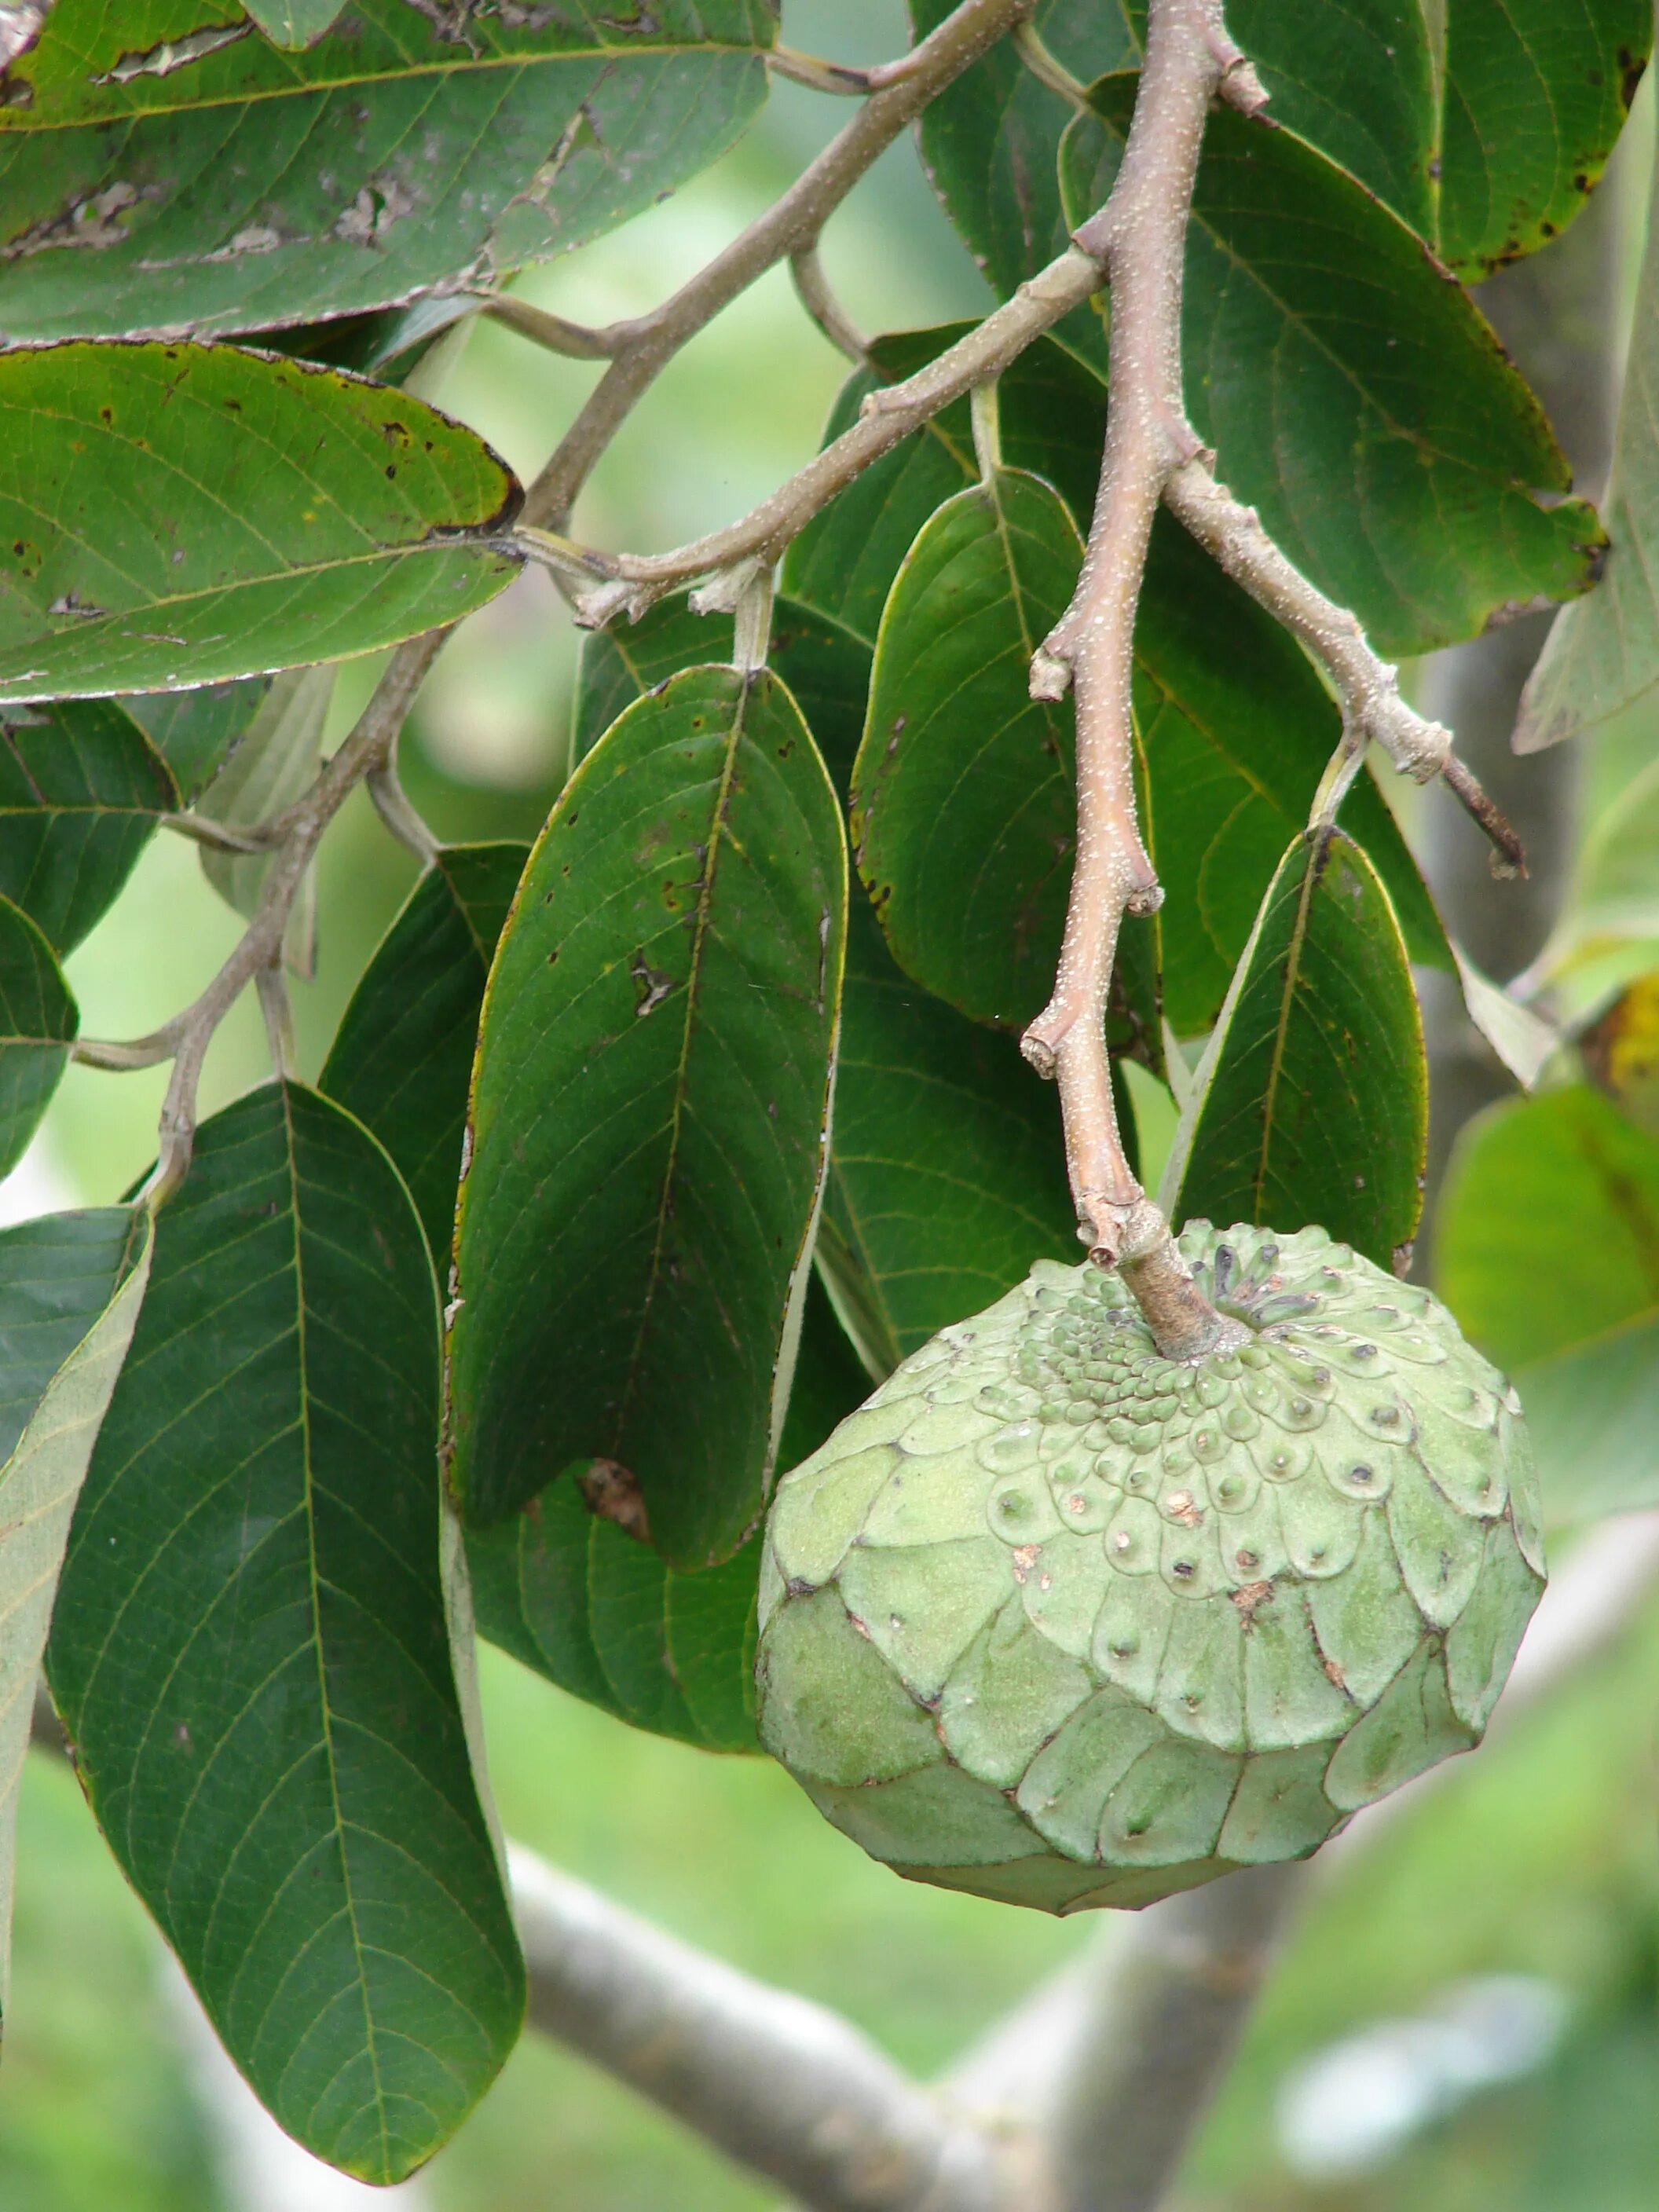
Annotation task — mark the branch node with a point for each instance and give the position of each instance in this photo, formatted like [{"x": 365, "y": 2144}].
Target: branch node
[
  {"x": 1239, "y": 85},
  {"x": 1051, "y": 673}
]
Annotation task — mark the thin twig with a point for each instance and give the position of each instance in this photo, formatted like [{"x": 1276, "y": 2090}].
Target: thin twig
[
  {"x": 391, "y": 802},
  {"x": 826, "y": 311},
  {"x": 553, "y": 332},
  {"x": 217, "y": 836},
  {"x": 646, "y": 346},
  {"x": 1366, "y": 686}
]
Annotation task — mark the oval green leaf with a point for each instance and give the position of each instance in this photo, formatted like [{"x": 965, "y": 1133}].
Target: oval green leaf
[
  {"x": 265, "y": 514},
  {"x": 629, "y": 1266},
  {"x": 80, "y": 790},
  {"x": 1311, "y": 1105},
  {"x": 251, "y": 1651},
  {"x": 227, "y": 186},
  {"x": 401, "y": 1058},
  {"x": 1353, "y": 395},
  {"x": 962, "y": 806}
]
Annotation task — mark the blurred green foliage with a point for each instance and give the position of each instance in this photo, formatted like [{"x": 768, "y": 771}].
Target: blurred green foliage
[{"x": 1539, "y": 1857}]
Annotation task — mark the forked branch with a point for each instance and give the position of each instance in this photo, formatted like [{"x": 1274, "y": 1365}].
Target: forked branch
[{"x": 1141, "y": 237}]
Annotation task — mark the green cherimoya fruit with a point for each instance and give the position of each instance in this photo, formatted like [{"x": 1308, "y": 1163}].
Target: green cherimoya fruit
[{"x": 1059, "y": 1620}]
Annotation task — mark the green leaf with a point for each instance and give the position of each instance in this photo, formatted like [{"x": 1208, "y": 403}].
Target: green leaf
[
  {"x": 826, "y": 666},
  {"x": 64, "y": 1328},
  {"x": 946, "y": 1162},
  {"x": 991, "y": 139},
  {"x": 274, "y": 762},
  {"x": 1311, "y": 1105},
  {"x": 402, "y": 1056},
  {"x": 1237, "y": 730},
  {"x": 947, "y": 1165},
  {"x": 81, "y": 789},
  {"x": 251, "y": 1651},
  {"x": 603, "y": 1615},
  {"x": 1603, "y": 652},
  {"x": 39, "y": 1022},
  {"x": 630, "y": 1267},
  {"x": 1354, "y": 397},
  {"x": 194, "y": 731},
  {"x": 1547, "y": 1248},
  {"x": 226, "y": 186},
  {"x": 962, "y": 806},
  {"x": 175, "y": 514},
  {"x": 294, "y": 22},
  {"x": 1483, "y": 123}
]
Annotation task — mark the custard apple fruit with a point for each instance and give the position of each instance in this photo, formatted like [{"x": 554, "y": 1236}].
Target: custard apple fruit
[{"x": 1059, "y": 1620}]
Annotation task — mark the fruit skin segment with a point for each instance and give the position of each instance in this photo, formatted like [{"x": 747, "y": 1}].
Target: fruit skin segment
[{"x": 1060, "y": 1621}]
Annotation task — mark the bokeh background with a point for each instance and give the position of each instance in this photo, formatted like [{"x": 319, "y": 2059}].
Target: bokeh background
[{"x": 1468, "y": 2017}]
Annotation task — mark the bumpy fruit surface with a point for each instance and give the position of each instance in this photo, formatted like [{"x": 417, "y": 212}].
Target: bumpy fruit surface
[{"x": 1053, "y": 1619}]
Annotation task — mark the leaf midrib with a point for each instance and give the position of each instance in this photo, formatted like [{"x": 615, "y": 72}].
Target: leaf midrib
[
  {"x": 717, "y": 837},
  {"x": 324, "y": 1708},
  {"x": 17, "y": 120}
]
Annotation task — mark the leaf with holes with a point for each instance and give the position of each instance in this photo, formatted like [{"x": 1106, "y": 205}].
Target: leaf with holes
[
  {"x": 1547, "y": 1248},
  {"x": 1311, "y": 1103},
  {"x": 630, "y": 1268},
  {"x": 1353, "y": 394},
  {"x": 595, "y": 1610},
  {"x": 251, "y": 1651},
  {"x": 403, "y": 1056},
  {"x": 39, "y": 1022},
  {"x": 70, "y": 1287},
  {"x": 222, "y": 185},
  {"x": 963, "y": 807},
  {"x": 1483, "y": 123},
  {"x": 175, "y": 515},
  {"x": 81, "y": 791}
]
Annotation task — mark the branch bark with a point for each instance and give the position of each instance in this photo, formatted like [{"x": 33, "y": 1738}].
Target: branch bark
[{"x": 780, "y": 2084}]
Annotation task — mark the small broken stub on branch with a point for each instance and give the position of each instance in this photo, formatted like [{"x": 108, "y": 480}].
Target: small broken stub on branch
[{"x": 611, "y": 1492}]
